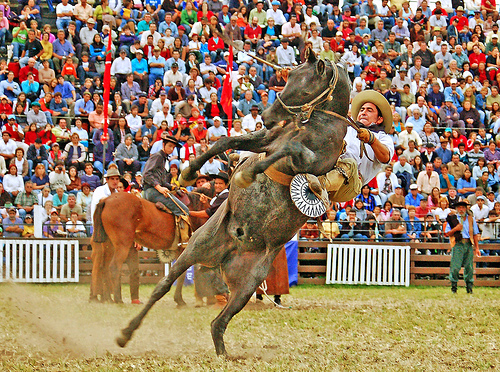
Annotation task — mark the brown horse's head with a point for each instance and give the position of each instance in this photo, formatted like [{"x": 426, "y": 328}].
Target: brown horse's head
[{"x": 305, "y": 84}]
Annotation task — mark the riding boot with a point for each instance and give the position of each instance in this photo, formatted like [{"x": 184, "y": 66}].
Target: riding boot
[
  {"x": 469, "y": 287},
  {"x": 184, "y": 228},
  {"x": 259, "y": 297},
  {"x": 317, "y": 189},
  {"x": 277, "y": 299},
  {"x": 454, "y": 287}
]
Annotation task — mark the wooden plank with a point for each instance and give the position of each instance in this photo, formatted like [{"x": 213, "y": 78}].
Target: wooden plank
[
  {"x": 312, "y": 269},
  {"x": 316, "y": 281},
  {"x": 142, "y": 280},
  {"x": 312, "y": 256}
]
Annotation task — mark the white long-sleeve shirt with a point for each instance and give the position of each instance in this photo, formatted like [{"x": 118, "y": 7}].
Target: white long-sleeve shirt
[
  {"x": 13, "y": 183},
  {"x": 99, "y": 193},
  {"x": 121, "y": 66}
]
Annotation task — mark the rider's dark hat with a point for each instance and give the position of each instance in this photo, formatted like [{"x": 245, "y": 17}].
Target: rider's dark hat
[
  {"x": 166, "y": 138},
  {"x": 462, "y": 204},
  {"x": 204, "y": 177},
  {"x": 222, "y": 175}
]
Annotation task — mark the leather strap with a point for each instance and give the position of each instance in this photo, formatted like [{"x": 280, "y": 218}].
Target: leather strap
[{"x": 277, "y": 176}]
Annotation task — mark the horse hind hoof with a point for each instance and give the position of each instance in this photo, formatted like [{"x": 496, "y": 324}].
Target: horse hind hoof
[
  {"x": 122, "y": 340},
  {"x": 187, "y": 178},
  {"x": 242, "y": 180}
]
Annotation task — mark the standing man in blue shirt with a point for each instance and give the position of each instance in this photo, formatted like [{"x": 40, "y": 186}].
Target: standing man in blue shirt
[
  {"x": 140, "y": 70},
  {"x": 156, "y": 66},
  {"x": 458, "y": 228}
]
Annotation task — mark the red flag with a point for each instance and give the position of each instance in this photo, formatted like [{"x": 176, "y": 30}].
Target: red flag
[
  {"x": 106, "y": 80},
  {"x": 226, "y": 98}
]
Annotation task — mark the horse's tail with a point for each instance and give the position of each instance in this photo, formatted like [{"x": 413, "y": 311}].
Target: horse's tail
[{"x": 99, "y": 235}]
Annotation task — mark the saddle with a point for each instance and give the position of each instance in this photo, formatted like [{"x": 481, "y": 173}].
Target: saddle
[{"x": 182, "y": 227}]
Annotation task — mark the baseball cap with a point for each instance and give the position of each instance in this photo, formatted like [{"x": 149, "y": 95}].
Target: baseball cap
[
  {"x": 217, "y": 118},
  {"x": 453, "y": 81},
  {"x": 413, "y": 186},
  {"x": 175, "y": 64},
  {"x": 409, "y": 124},
  {"x": 178, "y": 83},
  {"x": 11, "y": 116},
  {"x": 481, "y": 197},
  {"x": 35, "y": 104}
]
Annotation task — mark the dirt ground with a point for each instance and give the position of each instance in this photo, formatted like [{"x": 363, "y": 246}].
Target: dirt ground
[{"x": 54, "y": 328}]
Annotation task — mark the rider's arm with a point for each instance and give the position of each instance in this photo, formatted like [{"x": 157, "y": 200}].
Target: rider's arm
[{"x": 381, "y": 151}]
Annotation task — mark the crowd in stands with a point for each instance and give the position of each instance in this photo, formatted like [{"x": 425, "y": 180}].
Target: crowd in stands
[{"x": 438, "y": 65}]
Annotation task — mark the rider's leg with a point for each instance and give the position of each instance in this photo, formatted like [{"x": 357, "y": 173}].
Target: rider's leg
[{"x": 172, "y": 203}]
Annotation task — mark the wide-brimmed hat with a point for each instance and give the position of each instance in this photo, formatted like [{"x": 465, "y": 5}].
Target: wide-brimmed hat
[
  {"x": 204, "y": 177},
  {"x": 112, "y": 173},
  {"x": 166, "y": 138},
  {"x": 222, "y": 175},
  {"x": 378, "y": 100},
  {"x": 462, "y": 204}
]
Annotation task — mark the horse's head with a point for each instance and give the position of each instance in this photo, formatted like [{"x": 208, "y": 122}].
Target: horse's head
[{"x": 314, "y": 82}]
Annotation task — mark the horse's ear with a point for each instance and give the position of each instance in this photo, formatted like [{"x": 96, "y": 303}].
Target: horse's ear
[
  {"x": 320, "y": 67},
  {"x": 310, "y": 55}
]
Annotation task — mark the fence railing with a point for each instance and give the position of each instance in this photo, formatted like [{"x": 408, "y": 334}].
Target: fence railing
[
  {"x": 368, "y": 264},
  {"x": 39, "y": 261}
]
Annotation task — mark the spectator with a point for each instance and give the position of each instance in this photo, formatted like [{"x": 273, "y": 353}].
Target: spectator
[
  {"x": 395, "y": 228},
  {"x": 74, "y": 227},
  {"x": 413, "y": 225},
  {"x": 58, "y": 178},
  {"x": 353, "y": 229},
  {"x": 71, "y": 207},
  {"x": 456, "y": 168},
  {"x": 466, "y": 185},
  {"x": 12, "y": 182},
  {"x": 126, "y": 156},
  {"x": 53, "y": 228},
  {"x": 12, "y": 225},
  {"x": 26, "y": 200}
]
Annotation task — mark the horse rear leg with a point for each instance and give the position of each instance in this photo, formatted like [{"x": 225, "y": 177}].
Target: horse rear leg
[
  {"x": 115, "y": 270},
  {"x": 178, "y": 291},
  {"x": 161, "y": 289},
  {"x": 256, "y": 267}
]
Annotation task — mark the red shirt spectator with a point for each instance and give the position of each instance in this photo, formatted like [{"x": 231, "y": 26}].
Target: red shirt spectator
[
  {"x": 253, "y": 33},
  {"x": 214, "y": 44},
  {"x": 23, "y": 73},
  {"x": 476, "y": 58},
  {"x": 5, "y": 106},
  {"x": 462, "y": 21}
]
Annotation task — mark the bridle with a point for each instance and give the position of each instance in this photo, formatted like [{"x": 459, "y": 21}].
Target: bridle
[{"x": 305, "y": 111}]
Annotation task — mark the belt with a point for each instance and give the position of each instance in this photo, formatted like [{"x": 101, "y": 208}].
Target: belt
[{"x": 465, "y": 240}]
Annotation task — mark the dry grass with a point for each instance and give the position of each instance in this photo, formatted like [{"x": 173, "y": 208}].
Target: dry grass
[{"x": 54, "y": 328}]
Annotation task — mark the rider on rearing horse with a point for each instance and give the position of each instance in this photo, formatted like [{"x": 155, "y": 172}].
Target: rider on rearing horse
[{"x": 156, "y": 179}]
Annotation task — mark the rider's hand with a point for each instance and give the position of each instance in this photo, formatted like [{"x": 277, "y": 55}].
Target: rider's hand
[
  {"x": 364, "y": 135},
  {"x": 203, "y": 198}
]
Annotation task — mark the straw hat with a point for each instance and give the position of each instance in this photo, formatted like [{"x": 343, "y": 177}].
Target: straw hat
[{"x": 378, "y": 100}]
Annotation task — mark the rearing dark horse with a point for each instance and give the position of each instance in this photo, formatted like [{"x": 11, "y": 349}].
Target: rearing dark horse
[{"x": 249, "y": 229}]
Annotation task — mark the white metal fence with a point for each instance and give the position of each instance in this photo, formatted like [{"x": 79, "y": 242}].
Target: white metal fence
[
  {"x": 368, "y": 264},
  {"x": 39, "y": 261}
]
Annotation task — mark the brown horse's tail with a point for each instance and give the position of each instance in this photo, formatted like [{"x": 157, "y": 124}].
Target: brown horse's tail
[{"x": 99, "y": 234}]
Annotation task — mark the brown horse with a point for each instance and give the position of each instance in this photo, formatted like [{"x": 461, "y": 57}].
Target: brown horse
[{"x": 121, "y": 220}]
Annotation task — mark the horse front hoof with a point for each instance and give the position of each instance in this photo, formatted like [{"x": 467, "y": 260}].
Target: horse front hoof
[
  {"x": 93, "y": 299},
  {"x": 187, "y": 178},
  {"x": 122, "y": 340},
  {"x": 181, "y": 305},
  {"x": 243, "y": 180}
]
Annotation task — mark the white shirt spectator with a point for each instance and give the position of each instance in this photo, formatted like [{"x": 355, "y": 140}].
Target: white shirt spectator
[
  {"x": 8, "y": 148},
  {"x": 13, "y": 183},
  {"x": 169, "y": 79},
  {"x": 160, "y": 116},
  {"x": 144, "y": 38},
  {"x": 157, "y": 106},
  {"x": 211, "y": 167},
  {"x": 217, "y": 132},
  {"x": 279, "y": 18},
  {"x": 121, "y": 66},
  {"x": 134, "y": 123},
  {"x": 286, "y": 57},
  {"x": 249, "y": 122},
  {"x": 60, "y": 8}
]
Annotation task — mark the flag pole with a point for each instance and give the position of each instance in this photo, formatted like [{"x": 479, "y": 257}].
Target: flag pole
[{"x": 106, "y": 84}]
